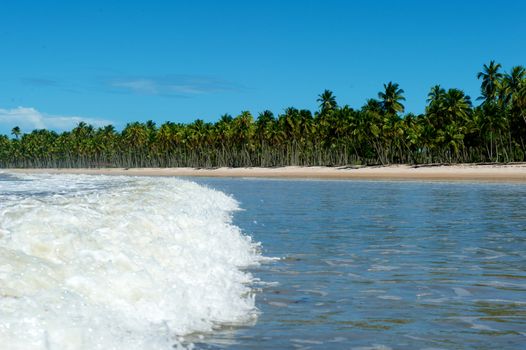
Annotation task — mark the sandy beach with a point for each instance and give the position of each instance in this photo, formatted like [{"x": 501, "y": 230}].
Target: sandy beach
[{"x": 465, "y": 172}]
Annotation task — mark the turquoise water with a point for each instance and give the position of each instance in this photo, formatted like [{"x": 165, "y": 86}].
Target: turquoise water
[{"x": 383, "y": 265}]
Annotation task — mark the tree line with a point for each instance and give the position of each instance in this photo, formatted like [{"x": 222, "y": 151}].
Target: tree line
[{"x": 451, "y": 130}]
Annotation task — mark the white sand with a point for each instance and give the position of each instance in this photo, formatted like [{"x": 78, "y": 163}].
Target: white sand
[{"x": 465, "y": 172}]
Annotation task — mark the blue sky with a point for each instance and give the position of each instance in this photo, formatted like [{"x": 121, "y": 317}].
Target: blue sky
[{"x": 121, "y": 61}]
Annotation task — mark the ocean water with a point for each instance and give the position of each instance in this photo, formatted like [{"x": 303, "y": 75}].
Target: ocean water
[
  {"x": 384, "y": 265},
  {"x": 119, "y": 263},
  {"x": 160, "y": 263}
]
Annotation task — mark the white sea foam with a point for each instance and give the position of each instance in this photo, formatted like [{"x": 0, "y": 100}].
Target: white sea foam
[{"x": 118, "y": 262}]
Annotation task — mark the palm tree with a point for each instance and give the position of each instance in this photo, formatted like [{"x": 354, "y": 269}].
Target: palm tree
[
  {"x": 434, "y": 109},
  {"x": 490, "y": 76},
  {"x": 327, "y": 102},
  {"x": 369, "y": 129},
  {"x": 135, "y": 137},
  {"x": 515, "y": 79},
  {"x": 223, "y": 129},
  {"x": 263, "y": 122},
  {"x": 435, "y": 95},
  {"x": 242, "y": 132},
  {"x": 449, "y": 113},
  {"x": 372, "y": 105},
  {"x": 106, "y": 143},
  {"x": 165, "y": 141},
  {"x": 6, "y": 153},
  {"x": 513, "y": 83},
  {"x": 521, "y": 101},
  {"x": 390, "y": 99},
  {"x": 16, "y": 132},
  {"x": 243, "y": 126},
  {"x": 264, "y": 132},
  {"x": 456, "y": 104}
]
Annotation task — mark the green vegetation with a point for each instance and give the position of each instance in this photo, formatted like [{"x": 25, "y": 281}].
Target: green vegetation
[{"x": 450, "y": 131}]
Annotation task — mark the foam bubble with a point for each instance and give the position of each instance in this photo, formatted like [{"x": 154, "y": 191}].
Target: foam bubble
[{"x": 117, "y": 262}]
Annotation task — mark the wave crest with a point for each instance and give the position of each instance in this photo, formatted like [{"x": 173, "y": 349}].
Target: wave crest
[{"x": 129, "y": 266}]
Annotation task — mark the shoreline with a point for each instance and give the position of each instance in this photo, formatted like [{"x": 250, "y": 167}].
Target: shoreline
[{"x": 513, "y": 173}]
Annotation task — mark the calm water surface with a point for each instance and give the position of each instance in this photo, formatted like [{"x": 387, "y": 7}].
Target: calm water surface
[{"x": 383, "y": 265}]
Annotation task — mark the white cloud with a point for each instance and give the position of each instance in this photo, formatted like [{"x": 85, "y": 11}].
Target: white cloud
[{"x": 29, "y": 119}]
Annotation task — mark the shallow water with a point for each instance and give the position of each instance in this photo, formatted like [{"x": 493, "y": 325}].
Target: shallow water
[
  {"x": 118, "y": 262},
  {"x": 384, "y": 265}
]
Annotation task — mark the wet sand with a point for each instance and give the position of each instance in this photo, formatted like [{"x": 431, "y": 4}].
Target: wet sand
[{"x": 464, "y": 172}]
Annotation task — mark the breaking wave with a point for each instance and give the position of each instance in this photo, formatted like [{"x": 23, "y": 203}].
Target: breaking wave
[{"x": 118, "y": 262}]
